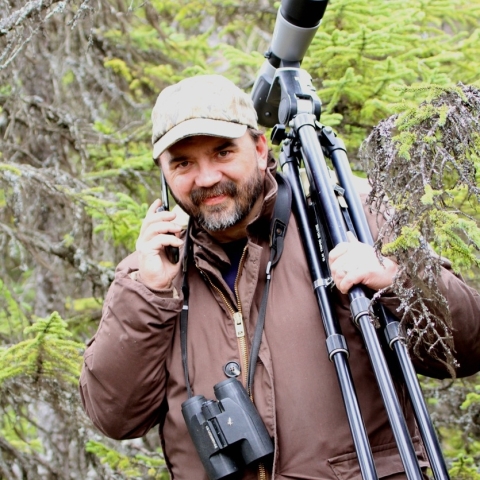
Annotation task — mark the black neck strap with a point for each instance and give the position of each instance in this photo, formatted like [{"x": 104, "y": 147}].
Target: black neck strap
[{"x": 278, "y": 230}]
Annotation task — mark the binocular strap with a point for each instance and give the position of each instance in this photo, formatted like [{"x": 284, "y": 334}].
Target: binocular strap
[{"x": 278, "y": 230}]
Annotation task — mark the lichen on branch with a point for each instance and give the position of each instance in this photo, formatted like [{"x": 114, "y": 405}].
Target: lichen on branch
[{"x": 422, "y": 165}]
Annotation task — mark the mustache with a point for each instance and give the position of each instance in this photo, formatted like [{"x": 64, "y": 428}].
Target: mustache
[{"x": 198, "y": 195}]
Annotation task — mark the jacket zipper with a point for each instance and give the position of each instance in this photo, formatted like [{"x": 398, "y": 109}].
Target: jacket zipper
[
  {"x": 237, "y": 319},
  {"x": 241, "y": 338},
  {"x": 240, "y": 325},
  {"x": 242, "y": 345}
]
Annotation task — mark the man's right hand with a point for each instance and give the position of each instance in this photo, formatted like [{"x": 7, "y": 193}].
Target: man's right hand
[{"x": 158, "y": 231}]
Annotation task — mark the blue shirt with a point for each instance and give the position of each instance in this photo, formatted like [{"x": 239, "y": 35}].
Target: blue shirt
[{"x": 234, "y": 251}]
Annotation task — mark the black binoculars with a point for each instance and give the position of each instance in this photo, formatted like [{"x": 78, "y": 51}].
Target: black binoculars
[{"x": 229, "y": 433}]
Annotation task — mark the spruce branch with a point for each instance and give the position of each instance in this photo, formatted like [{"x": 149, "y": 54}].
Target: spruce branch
[
  {"x": 148, "y": 463},
  {"x": 27, "y": 11},
  {"x": 422, "y": 167},
  {"x": 50, "y": 353},
  {"x": 25, "y": 459},
  {"x": 32, "y": 18}
]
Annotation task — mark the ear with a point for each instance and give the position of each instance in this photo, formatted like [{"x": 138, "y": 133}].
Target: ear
[
  {"x": 262, "y": 152},
  {"x": 162, "y": 163}
]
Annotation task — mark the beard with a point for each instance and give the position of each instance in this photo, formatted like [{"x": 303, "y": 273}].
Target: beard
[{"x": 214, "y": 218}]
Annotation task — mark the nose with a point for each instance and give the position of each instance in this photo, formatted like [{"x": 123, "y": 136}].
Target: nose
[{"x": 207, "y": 175}]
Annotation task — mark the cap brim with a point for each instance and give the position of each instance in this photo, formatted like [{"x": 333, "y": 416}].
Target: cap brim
[{"x": 198, "y": 126}]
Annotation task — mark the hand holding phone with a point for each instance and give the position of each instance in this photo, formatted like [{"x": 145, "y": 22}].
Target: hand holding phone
[
  {"x": 172, "y": 253},
  {"x": 159, "y": 230}
]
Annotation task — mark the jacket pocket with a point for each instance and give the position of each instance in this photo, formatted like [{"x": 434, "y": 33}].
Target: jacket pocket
[{"x": 386, "y": 457}]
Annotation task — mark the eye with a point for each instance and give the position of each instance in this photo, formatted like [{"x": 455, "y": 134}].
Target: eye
[
  {"x": 181, "y": 165},
  {"x": 224, "y": 153}
]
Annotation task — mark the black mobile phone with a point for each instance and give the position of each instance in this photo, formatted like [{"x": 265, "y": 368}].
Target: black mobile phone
[{"x": 173, "y": 253}]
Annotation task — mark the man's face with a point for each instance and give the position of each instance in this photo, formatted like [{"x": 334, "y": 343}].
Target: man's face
[{"x": 216, "y": 180}]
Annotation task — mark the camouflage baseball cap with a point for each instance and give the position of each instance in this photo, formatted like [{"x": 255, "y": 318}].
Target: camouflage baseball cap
[{"x": 201, "y": 105}]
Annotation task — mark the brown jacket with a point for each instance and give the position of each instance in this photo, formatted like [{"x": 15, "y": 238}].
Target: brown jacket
[{"x": 133, "y": 380}]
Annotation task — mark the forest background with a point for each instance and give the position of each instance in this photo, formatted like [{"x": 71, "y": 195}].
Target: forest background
[{"x": 78, "y": 80}]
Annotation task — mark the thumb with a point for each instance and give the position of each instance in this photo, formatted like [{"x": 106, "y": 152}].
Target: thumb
[{"x": 351, "y": 237}]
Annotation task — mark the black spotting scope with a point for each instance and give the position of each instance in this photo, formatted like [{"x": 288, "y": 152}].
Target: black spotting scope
[{"x": 296, "y": 24}]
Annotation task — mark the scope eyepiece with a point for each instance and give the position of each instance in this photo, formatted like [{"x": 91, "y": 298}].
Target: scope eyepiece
[{"x": 304, "y": 13}]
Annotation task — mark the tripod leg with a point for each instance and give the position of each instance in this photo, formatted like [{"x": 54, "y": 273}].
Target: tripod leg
[
  {"x": 336, "y": 345},
  {"x": 319, "y": 178},
  {"x": 427, "y": 432}
]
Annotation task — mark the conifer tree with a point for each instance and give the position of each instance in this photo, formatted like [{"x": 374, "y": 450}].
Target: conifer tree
[{"x": 78, "y": 79}]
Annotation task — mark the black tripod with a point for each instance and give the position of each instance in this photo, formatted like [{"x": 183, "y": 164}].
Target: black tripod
[{"x": 285, "y": 98}]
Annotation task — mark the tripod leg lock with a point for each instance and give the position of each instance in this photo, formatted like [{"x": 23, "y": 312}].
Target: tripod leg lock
[
  {"x": 335, "y": 344},
  {"x": 392, "y": 333},
  {"x": 358, "y": 307}
]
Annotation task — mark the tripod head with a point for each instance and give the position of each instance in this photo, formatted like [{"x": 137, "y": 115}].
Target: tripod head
[{"x": 275, "y": 91}]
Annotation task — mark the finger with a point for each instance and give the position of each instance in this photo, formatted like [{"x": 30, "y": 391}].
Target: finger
[
  {"x": 154, "y": 206},
  {"x": 157, "y": 228},
  {"x": 156, "y": 218},
  {"x": 342, "y": 287},
  {"x": 345, "y": 285},
  {"x": 338, "y": 251},
  {"x": 159, "y": 242},
  {"x": 351, "y": 237},
  {"x": 155, "y": 247},
  {"x": 339, "y": 280},
  {"x": 337, "y": 269},
  {"x": 149, "y": 215},
  {"x": 347, "y": 281}
]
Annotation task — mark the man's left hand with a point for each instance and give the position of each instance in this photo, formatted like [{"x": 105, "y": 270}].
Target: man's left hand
[{"x": 353, "y": 263}]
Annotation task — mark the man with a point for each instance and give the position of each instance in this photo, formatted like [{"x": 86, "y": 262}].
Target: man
[{"x": 219, "y": 170}]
